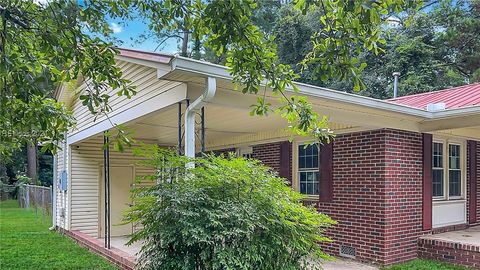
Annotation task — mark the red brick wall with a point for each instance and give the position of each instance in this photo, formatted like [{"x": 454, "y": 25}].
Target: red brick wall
[
  {"x": 377, "y": 193},
  {"x": 358, "y": 194},
  {"x": 269, "y": 154},
  {"x": 403, "y": 195},
  {"x": 377, "y": 197}
]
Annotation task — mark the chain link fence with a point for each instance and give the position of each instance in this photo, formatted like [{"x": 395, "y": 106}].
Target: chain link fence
[{"x": 37, "y": 197}]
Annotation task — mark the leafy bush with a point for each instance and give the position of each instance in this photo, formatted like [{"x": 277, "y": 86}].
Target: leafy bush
[{"x": 225, "y": 213}]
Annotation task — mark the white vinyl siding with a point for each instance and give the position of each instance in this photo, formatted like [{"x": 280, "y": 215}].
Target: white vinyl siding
[
  {"x": 147, "y": 86},
  {"x": 62, "y": 199},
  {"x": 85, "y": 181}
]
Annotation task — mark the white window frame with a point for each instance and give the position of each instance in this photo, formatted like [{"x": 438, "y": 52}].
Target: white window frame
[
  {"x": 444, "y": 163},
  {"x": 245, "y": 151},
  {"x": 296, "y": 171},
  {"x": 462, "y": 171},
  {"x": 446, "y": 159}
]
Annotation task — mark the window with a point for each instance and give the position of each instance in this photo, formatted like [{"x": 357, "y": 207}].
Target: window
[
  {"x": 447, "y": 170},
  {"x": 454, "y": 171},
  {"x": 308, "y": 169},
  {"x": 438, "y": 169},
  {"x": 245, "y": 152}
]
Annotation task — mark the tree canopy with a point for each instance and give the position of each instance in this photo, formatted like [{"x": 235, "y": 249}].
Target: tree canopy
[
  {"x": 43, "y": 44},
  {"x": 436, "y": 48}
]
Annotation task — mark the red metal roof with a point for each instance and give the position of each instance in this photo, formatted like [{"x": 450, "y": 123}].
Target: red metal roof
[{"x": 454, "y": 98}]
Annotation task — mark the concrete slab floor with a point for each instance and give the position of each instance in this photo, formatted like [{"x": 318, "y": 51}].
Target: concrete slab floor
[
  {"x": 469, "y": 236},
  {"x": 120, "y": 243},
  {"x": 346, "y": 264}
]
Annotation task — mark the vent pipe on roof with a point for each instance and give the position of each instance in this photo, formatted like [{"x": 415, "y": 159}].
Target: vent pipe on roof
[{"x": 395, "y": 84}]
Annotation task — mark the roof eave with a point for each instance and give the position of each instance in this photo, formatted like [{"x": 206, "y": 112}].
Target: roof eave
[{"x": 218, "y": 71}]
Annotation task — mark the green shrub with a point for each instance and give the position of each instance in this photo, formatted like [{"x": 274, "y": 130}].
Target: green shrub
[{"x": 225, "y": 213}]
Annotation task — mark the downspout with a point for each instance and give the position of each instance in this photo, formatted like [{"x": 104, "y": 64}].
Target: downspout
[
  {"x": 190, "y": 115},
  {"x": 54, "y": 193}
]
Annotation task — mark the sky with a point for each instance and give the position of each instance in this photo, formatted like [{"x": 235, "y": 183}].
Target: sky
[{"x": 128, "y": 32}]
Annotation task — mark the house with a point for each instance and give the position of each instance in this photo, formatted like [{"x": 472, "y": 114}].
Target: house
[{"x": 400, "y": 174}]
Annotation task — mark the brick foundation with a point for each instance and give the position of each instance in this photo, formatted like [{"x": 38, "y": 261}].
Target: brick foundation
[
  {"x": 114, "y": 255},
  {"x": 442, "y": 250}
]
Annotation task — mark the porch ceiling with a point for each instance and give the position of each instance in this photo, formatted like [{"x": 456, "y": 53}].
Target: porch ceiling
[{"x": 220, "y": 122}]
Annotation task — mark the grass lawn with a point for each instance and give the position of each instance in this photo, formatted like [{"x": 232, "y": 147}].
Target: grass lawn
[
  {"x": 26, "y": 243},
  {"x": 419, "y": 264}
]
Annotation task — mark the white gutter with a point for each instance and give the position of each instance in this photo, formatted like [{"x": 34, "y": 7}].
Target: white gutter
[
  {"x": 457, "y": 112},
  {"x": 190, "y": 115},
  {"x": 221, "y": 72}
]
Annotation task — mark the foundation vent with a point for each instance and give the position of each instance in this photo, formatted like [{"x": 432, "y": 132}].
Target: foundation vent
[{"x": 347, "y": 251}]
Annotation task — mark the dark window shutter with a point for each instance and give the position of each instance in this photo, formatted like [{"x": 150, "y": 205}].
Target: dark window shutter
[
  {"x": 326, "y": 172},
  {"x": 285, "y": 153},
  {"x": 427, "y": 181},
  {"x": 472, "y": 185}
]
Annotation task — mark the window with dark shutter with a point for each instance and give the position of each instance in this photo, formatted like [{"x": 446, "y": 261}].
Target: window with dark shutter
[{"x": 314, "y": 170}]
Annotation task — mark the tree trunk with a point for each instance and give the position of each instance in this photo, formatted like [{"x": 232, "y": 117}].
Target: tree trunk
[{"x": 32, "y": 162}]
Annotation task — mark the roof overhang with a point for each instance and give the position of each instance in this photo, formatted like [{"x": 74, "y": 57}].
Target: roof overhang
[
  {"x": 191, "y": 71},
  {"x": 196, "y": 67}
]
